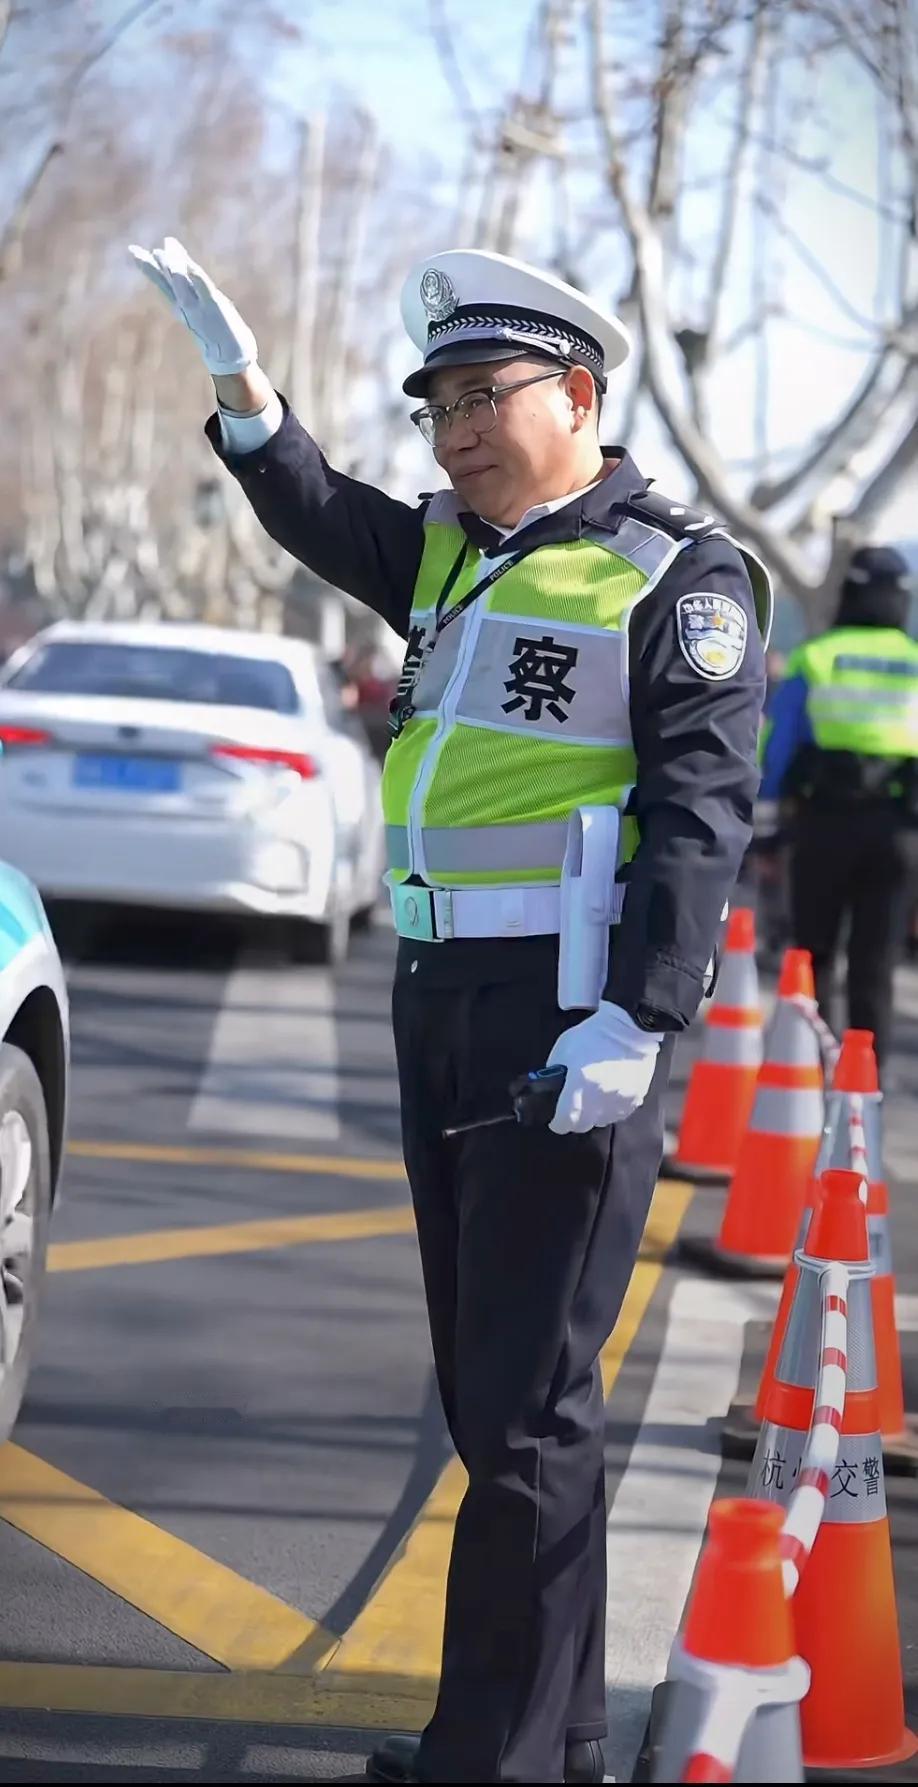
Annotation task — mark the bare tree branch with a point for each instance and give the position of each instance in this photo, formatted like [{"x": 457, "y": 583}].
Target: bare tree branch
[
  {"x": 336, "y": 419},
  {"x": 828, "y": 452},
  {"x": 699, "y": 455},
  {"x": 850, "y": 31},
  {"x": 305, "y": 300},
  {"x": 885, "y": 480},
  {"x": 735, "y": 169},
  {"x": 442, "y": 34},
  {"x": 809, "y": 164},
  {"x": 805, "y": 255},
  {"x": 11, "y": 239},
  {"x": 14, "y": 226},
  {"x": 673, "y": 93}
]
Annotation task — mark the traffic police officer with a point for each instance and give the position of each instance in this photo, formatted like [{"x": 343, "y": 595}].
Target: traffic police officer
[
  {"x": 842, "y": 743},
  {"x": 574, "y": 641}
]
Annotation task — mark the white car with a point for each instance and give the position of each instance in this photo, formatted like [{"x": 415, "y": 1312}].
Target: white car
[
  {"x": 34, "y": 1057},
  {"x": 192, "y": 767}
]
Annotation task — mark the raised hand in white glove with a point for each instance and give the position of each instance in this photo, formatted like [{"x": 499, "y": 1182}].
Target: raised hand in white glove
[
  {"x": 226, "y": 342},
  {"x": 610, "y": 1062}
]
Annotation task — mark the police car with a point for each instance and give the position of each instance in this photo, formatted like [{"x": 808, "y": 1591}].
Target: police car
[{"x": 34, "y": 1069}]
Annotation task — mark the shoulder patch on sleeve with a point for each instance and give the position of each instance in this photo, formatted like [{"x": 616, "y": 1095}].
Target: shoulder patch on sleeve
[{"x": 712, "y": 631}]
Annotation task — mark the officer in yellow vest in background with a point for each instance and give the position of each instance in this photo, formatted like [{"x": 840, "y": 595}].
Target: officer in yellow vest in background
[
  {"x": 842, "y": 744},
  {"x": 568, "y": 796}
]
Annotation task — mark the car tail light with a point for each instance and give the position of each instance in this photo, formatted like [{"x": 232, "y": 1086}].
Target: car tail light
[
  {"x": 304, "y": 765},
  {"x": 14, "y": 737}
]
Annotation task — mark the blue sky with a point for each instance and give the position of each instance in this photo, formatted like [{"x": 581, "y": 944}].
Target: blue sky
[{"x": 387, "y": 54}]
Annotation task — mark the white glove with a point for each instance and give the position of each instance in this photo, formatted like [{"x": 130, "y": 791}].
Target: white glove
[
  {"x": 610, "y": 1062},
  {"x": 225, "y": 341}
]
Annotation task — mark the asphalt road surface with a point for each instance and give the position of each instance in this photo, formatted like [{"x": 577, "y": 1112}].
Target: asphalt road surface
[{"x": 225, "y": 1516}]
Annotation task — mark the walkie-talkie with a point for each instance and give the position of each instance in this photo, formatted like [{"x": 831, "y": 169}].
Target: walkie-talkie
[{"x": 534, "y": 1097}]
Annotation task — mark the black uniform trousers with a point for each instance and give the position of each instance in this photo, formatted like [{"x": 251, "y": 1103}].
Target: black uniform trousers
[
  {"x": 859, "y": 862},
  {"x": 527, "y": 1244}
]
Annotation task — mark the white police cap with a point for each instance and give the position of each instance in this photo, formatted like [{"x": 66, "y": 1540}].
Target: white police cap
[{"x": 467, "y": 305}]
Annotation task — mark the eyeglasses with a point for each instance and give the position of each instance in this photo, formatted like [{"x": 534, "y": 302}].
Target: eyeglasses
[{"x": 478, "y": 408}]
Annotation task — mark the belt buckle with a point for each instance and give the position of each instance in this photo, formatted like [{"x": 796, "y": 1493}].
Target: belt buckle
[{"x": 416, "y": 916}]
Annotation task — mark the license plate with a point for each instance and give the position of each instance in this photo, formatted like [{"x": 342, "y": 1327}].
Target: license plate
[{"x": 143, "y": 775}]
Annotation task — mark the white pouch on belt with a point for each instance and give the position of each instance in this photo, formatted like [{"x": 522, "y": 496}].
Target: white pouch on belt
[{"x": 588, "y": 901}]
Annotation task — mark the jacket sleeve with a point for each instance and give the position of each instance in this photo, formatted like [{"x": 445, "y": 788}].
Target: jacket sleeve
[
  {"x": 348, "y": 533},
  {"x": 695, "y": 741}
]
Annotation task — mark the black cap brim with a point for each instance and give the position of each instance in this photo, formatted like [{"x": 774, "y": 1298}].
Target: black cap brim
[{"x": 471, "y": 353}]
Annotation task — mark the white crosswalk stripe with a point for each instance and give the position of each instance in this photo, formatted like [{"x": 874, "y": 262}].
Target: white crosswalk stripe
[
  {"x": 658, "y": 1517},
  {"x": 272, "y": 1068}
]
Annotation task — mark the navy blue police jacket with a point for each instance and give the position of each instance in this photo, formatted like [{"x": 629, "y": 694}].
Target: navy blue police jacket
[{"x": 695, "y": 736}]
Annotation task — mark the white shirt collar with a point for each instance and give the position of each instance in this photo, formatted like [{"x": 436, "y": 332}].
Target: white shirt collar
[{"x": 540, "y": 509}]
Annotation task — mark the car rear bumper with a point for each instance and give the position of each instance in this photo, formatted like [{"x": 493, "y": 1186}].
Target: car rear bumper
[{"x": 196, "y": 865}]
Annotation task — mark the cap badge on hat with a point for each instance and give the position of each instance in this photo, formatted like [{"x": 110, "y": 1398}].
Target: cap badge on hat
[{"x": 438, "y": 294}]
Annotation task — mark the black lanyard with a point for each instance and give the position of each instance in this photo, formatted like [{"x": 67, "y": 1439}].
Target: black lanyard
[
  {"x": 452, "y": 579},
  {"x": 506, "y": 564},
  {"x": 401, "y": 709}
]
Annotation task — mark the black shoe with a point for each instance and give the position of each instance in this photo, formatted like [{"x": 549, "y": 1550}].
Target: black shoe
[
  {"x": 395, "y": 1760},
  {"x": 584, "y": 1760}
]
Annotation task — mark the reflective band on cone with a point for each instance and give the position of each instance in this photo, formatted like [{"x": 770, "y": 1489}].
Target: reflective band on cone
[
  {"x": 845, "y": 1603},
  {"x": 722, "y": 1083},
  {"x": 733, "y": 1687},
  {"x": 853, "y": 1138},
  {"x": 779, "y": 1149}
]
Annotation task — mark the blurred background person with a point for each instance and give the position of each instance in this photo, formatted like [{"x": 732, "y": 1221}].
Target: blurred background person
[{"x": 842, "y": 743}]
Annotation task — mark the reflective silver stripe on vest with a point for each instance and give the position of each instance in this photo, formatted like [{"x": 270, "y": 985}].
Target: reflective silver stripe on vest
[
  {"x": 792, "y": 1111},
  {"x": 863, "y": 707},
  {"x": 884, "y": 666},
  {"x": 439, "y": 666},
  {"x": 842, "y": 696},
  {"x": 542, "y": 677},
  {"x": 537, "y": 675},
  {"x": 632, "y": 545},
  {"x": 469, "y": 848},
  {"x": 648, "y": 549},
  {"x": 443, "y": 508}
]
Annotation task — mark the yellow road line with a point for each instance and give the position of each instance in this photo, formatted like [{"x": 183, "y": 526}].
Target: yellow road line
[
  {"x": 221, "y": 1614},
  {"x": 255, "y": 1159},
  {"x": 238, "y": 1698},
  {"x": 670, "y": 1202},
  {"x": 400, "y": 1630},
  {"x": 223, "y": 1238},
  {"x": 382, "y": 1674}
]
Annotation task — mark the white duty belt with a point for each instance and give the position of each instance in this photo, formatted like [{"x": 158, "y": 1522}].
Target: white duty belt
[
  {"x": 438, "y": 914},
  {"x": 580, "y": 910}
]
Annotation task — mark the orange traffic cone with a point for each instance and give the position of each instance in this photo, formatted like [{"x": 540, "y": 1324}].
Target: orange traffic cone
[
  {"x": 778, "y": 1151},
  {"x": 845, "y": 1601},
  {"x": 722, "y": 1083},
  {"x": 852, "y": 1138},
  {"x": 730, "y": 1705}
]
